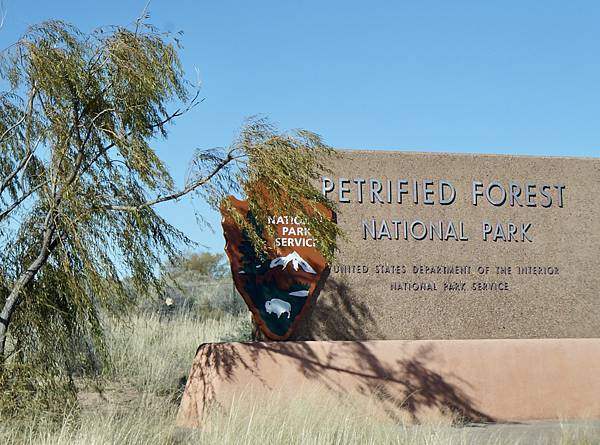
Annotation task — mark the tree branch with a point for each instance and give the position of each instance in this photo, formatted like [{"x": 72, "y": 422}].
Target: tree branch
[
  {"x": 166, "y": 120},
  {"x": 174, "y": 196},
  {"x": 29, "y": 151},
  {"x": 4, "y": 213}
]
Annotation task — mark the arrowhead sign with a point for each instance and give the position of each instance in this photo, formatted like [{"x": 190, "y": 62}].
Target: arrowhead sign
[{"x": 279, "y": 288}]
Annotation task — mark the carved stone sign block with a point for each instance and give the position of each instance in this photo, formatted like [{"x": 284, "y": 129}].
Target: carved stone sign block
[{"x": 458, "y": 246}]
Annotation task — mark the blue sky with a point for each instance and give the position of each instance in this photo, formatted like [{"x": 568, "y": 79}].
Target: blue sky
[{"x": 516, "y": 77}]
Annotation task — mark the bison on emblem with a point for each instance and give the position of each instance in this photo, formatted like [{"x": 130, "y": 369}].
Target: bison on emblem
[{"x": 278, "y": 307}]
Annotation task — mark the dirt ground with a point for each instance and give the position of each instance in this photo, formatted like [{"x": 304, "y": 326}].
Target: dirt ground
[{"x": 540, "y": 432}]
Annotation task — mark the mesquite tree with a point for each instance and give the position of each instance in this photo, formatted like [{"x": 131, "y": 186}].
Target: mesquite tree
[{"x": 79, "y": 182}]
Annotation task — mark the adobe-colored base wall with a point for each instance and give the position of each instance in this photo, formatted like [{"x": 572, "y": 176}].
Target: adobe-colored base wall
[{"x": 485, "y": 380}]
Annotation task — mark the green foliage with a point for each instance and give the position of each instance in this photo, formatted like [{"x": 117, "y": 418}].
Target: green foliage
[
  {"x": 28, "y": 388},
  {"x": 278, "y": 177}
]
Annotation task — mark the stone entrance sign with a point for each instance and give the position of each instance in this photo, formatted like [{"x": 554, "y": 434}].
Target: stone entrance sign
[
  {"x": 444, "y": 256},
  {"x": 442, "y": 246}
]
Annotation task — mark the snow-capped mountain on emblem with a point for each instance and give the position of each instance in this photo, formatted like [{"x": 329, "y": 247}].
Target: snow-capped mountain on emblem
[{"x": 295, "y": 259}]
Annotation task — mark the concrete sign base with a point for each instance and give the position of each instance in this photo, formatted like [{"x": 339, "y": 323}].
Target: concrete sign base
[{"x": 422, "y": 380}]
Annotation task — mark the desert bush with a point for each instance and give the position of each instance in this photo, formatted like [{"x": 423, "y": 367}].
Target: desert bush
[
  {"x": 198, "y": 296},
  {"x": 207, "y": 264},
  {"x": 194, "y": 285},
  {"x": 192, "y": 295}
]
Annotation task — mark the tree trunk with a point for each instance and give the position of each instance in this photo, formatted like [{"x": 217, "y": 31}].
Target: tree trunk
[{"x": 12, "y": 301}]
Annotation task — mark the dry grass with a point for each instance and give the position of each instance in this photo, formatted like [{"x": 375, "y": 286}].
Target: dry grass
[
  {"x": 155, "y": 353},
  {"x": 137, "y": 403}
]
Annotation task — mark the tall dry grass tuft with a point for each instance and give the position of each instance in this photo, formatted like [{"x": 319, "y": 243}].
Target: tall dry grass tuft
[
  {"x": 314, "y": 418},
  {"x": 154, "y": 353}
]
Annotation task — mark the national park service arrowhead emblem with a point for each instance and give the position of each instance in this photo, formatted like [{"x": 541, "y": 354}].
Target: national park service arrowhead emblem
[{"x": 279, "y": 287}]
